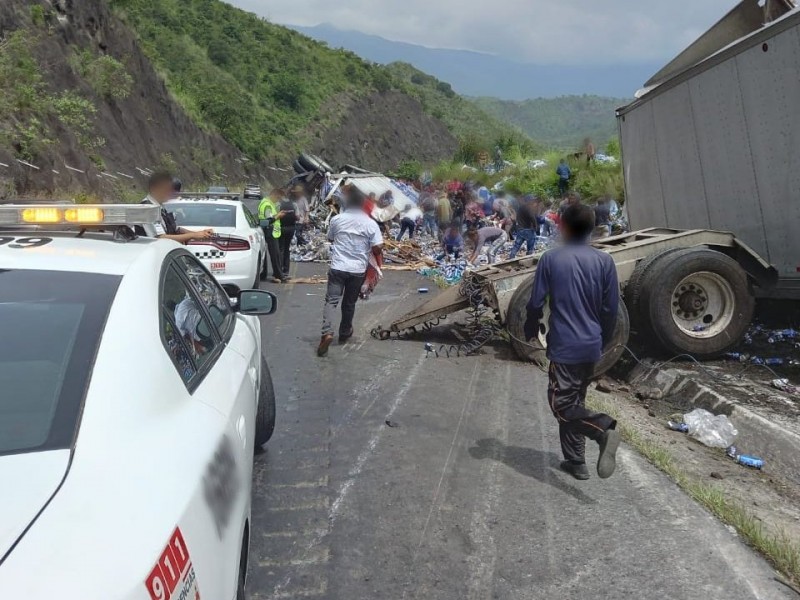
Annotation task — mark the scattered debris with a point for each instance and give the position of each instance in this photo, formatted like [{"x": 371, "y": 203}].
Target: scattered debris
[
  {"x": 715, "y": 475},
  {"x": 391, "y": 424},
  {"x": 710, "y": 430},
  {"x": 743, "y": 459}
]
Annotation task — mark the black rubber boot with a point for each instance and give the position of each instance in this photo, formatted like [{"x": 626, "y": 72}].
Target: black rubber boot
[
  {"x": 578, "y": 471},
  {"x": 607, "y": 462}
]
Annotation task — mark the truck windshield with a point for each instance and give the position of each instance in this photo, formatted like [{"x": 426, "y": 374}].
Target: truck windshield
[
  {"x": 203, "y": 215},
  {"x": 51, "y": 323}
]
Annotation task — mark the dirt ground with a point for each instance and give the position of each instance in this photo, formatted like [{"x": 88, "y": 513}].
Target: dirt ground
[{"x": 769, "y": 496}]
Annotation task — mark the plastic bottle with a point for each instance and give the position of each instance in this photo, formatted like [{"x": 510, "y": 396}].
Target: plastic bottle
[
  {"x": 774, "y": 362},
  {"x": 749, "y": 461}
]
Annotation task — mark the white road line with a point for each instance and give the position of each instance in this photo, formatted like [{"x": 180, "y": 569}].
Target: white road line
[
  {"x": 356, "y": 470},
  {"x": 469, "y": 396}
]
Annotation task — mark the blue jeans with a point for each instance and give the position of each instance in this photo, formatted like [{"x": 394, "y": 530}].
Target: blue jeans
[
  {"x": 524, "y": 236},
  {"x": 430, "y": 225}
]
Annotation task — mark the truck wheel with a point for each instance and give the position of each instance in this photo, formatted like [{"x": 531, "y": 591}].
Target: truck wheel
[
  {"x": 537, "y": 352},
  {"x": 515, "y": 322},
  {"x": 265, "y": 416},
  {"x": 697, "y": 302},
  {"x": 299, "y": 168},
  {"x": 633, "y": 289},
  {"x": 615, "y": 348}
]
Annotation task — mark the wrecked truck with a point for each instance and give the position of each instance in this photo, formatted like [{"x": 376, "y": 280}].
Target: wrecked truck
[{"x": 711, "y": 161}]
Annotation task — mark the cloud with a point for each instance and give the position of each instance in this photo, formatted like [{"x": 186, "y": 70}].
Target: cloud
[{"x": 539, "y": 31}]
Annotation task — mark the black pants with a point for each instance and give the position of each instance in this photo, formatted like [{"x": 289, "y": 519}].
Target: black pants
[
  {"x": 342, "y": 287},
  {"x": 567, "y": 396},
  {"x": 298, "y": 233},
  {"x": 563, "y": 186},
  {"x": 406, "y": 225},
  {"x": 286, "y": 244},
  {"x": 274, "y": 251}
]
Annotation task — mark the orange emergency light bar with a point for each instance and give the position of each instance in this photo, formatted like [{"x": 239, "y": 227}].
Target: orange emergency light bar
[{"x": 78, "y": 215}]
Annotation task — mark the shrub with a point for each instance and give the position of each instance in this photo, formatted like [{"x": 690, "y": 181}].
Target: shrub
[
  {"x": 37, "y": 15},
  {"x": 105, "y": 74},
  {"x": 409, "y": 169}
]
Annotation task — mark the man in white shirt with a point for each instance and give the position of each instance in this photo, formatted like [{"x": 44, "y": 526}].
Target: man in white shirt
[{"x": 354, "y": 235}]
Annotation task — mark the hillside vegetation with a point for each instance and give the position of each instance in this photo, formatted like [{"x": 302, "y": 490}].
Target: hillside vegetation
[
  {"x": 264, "y": 87},
  {"x": 466, "y": 119},
  {"x": 559, "y": 123}
]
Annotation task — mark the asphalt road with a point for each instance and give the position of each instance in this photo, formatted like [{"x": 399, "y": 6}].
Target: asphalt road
[{"x": 461, "y": 496}]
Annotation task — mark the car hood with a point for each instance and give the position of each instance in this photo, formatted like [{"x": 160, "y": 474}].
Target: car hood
[{"x": 29, "y": 481}]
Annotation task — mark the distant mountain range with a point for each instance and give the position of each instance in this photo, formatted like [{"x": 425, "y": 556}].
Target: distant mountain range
[
  {"x": 559, "y": 123},
  {"x": 477, "y": 74}
]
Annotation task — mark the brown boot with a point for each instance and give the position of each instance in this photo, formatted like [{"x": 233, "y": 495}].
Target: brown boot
[{"x": 324, "y": 344}]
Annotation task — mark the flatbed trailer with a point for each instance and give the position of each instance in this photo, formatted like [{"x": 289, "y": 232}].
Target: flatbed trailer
[
  {"x": 711, "y": 145},
  {"x": 702, "y": 305}
]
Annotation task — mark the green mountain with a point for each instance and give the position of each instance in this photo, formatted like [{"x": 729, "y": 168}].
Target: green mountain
[
  {"x": 559, "y": 123},
  {"x": 464, "y": 117},
  {"x": 267, "y": 88}
]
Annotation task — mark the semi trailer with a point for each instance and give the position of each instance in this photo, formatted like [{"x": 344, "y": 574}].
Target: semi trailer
[{"x": 711, "y": 164}]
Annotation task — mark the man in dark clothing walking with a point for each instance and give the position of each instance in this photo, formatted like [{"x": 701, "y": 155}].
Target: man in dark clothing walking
[
  {"x": 288, "y": 225},
  {"x": 580, "y": 284}
]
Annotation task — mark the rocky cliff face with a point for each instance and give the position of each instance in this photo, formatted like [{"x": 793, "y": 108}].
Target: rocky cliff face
[{"x": 145, "y": 129}]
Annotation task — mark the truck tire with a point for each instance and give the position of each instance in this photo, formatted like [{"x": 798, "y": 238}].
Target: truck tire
[
  {"x": 265, "y": 415},
  {"x": 697, "y": 302},
  {"x": 633, "y": 289},
  {"x": 537, "y": 352},
  {"x": 299, "y": 168}
]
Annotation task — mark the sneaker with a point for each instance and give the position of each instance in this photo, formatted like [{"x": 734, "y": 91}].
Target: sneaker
[
  {"x": 343, "y": 337},
  {"x": 324, "y": 344},
  {"x": 607, "y": 462},
  {"x": 578, "y": 471}
]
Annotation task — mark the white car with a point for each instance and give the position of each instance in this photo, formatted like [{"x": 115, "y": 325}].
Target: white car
[
  {"x": 237, "y": 252},
  {"x": 132, "y": 397}
]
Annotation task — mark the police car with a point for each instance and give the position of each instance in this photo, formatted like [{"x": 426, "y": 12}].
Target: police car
[
  {"x": 132, "y": 397},
  {"x": 238, "y": 250}
]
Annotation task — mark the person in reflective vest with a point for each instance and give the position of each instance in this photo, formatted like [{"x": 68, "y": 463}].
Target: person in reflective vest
[{"x": 269, "y": 218}]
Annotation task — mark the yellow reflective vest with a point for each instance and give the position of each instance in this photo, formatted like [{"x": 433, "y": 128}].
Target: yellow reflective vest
[{"x": 268, "y": 210}]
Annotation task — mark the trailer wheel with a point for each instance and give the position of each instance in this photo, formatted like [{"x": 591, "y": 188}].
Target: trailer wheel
[
  {"x": 536, "y": 352},
  {"x": 633, "y": 290},
  {"x": 697, "y": 302}
]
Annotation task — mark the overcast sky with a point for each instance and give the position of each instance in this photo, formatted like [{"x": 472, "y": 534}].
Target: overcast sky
[{"x": 541, "y": 31}]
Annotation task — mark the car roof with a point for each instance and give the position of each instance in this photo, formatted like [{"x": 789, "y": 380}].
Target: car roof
[
  {"x": 224, "y": 201},
  {"x": 94, "y": 252}
]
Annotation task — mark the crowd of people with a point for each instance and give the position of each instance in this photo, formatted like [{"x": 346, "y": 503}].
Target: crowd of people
[{"x": 460, "y": 217}]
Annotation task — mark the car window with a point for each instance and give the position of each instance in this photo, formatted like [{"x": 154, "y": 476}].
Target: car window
[
  {"x": 210, "y": 292},
  {"x": 51, "y": 324},
  {"x": 189, "y": 214},
  {"x": 251, "y": 220},
  {"x": 188, "y": 335}
]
